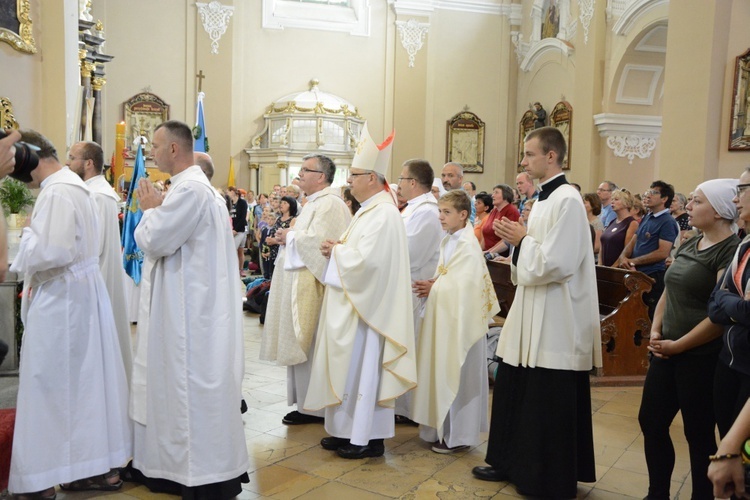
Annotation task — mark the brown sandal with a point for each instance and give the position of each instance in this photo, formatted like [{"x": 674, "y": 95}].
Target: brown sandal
[
  {"x": 95, "y": 483},
  {"x": 48, "y": 494}
]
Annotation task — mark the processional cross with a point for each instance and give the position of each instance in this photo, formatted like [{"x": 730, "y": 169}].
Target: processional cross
[{"x": 200, "y": 77}]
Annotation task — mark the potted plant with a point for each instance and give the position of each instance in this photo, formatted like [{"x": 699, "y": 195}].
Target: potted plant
[{"x": 15, "y": 197}]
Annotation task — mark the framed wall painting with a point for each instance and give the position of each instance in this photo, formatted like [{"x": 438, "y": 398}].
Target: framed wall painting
[
  {"x": 15, "y": 25},
  {"x": 561, "y": 117},
  {"x": 465, "y": 141},
  {"x": 739, "y": 130},
  {"x": 525, "y": 126}
]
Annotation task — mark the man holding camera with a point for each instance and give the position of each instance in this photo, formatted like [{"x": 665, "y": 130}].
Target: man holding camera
[{"x": 72, "y": 425}]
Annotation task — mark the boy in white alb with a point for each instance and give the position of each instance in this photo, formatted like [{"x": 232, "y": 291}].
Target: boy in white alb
[{"x": 450, "y": 401}]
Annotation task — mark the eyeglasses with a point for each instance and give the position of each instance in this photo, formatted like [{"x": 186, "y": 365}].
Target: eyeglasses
[
  {"x": 305, "y": 169},
  {"x": 602, "y": 189},
  {"x": 405, "y": 179},
  {"x": 355, "y": 175},
  {"x": 652, "y": 192},
  {"x": 740, "y": 189}
]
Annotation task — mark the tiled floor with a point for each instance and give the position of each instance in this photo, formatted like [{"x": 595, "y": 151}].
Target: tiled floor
[{"x": 288, "y": 462}]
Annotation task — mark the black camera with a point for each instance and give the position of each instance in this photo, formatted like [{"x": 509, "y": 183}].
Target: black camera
[{"x": 26, "y": 160}]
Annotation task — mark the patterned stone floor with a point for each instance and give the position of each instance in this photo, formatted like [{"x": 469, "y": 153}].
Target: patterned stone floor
[{"x": 288, "y": 462}]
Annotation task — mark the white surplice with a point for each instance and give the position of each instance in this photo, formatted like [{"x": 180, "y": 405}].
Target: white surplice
[
  {"x": 451, "y": 399},
  {"x": 71, "y": 416},
  {"x": 297, "y": 291},
  {"x": 554, "y": 321},
  {"x": 423, "y": 232},
  {"x": 364, "y": 354},
  {"x": 189, "y": 362},
  {"x": 110, "y": 262}
]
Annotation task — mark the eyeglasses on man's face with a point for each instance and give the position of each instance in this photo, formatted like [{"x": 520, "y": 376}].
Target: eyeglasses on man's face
[
  {"x": 740, "y": 189},
  {"x": 306, "y": 170},
  {"x": 652, "y": 192}
]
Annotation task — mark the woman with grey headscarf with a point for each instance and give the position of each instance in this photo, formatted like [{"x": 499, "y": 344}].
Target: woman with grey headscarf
[{"x": 685, "y": 344}]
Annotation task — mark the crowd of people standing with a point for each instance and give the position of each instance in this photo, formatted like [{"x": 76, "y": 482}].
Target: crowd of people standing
[{"x": 379, "y": 306}]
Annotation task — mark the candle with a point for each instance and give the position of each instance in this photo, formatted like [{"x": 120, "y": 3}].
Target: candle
[{"x": 119, "y": 168}]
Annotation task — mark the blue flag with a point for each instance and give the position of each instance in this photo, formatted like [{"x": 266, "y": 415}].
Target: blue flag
[
  {"x": 132, "y": 256},
  {"x": 199, "y": 131}
]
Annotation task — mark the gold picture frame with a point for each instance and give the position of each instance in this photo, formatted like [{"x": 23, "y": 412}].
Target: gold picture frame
[
  {"x": 561, "y": 117},
  {"x": 465, "y": 141},
  {"x": 7, "y": 118},
  {"x": 15, "y": 27},
  {"x": 142, "y": 114},
  {"x": 525, "y": 126},
  {"x": 739, "y": 128}
]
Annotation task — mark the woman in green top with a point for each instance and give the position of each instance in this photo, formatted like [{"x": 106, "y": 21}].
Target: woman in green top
[{"x": 685, "y": 344}]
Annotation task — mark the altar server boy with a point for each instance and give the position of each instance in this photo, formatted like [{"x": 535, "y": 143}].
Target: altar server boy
[{"x": 450, "y": 401}]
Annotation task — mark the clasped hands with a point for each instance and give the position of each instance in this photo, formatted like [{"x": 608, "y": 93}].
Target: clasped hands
[
  {"x": 662, "y": 348},
  {"x": 422, "y": 287},
  {"x": 511, "y": 232},
  {"x": 327, "y": 247},
  {"x": 148, "y": 196}
]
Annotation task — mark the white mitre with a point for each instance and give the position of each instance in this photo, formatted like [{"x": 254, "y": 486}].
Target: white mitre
[{"x": 370, "y": 156}]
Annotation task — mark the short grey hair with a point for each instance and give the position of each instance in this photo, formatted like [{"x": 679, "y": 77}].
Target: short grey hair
[{"x": 325, "y": 164}]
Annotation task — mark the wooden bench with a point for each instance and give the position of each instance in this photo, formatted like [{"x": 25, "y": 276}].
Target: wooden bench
[{"x": 625, "y": 324}]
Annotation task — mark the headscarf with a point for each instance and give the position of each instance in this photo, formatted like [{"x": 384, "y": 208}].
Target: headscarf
[
  {"x": 439, "y": 184},
  {"x": 720, "y": 193}
]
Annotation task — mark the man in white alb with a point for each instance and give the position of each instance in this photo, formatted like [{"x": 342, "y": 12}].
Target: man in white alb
[
  {"x": 72, "y": 425},
  {"x": 87, "y": 160},
  {"x": 297, "y": 288},
  {"x": 423, "y": 233},
  {"x": 189, "y": 361}
]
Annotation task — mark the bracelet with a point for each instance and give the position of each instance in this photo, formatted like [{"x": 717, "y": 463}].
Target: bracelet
[{"x": 718, "y": 458}]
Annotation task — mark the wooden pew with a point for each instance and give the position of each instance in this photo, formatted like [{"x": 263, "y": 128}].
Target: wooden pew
[{"x": 625, "y": 324}]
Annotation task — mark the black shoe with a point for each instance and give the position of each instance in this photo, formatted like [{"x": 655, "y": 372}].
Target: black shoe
[
  {"x": 375, "y": 448},
  {"x": 243, "y": 406},
  {"x": 297, "y": 418},
  {"x": 402, "y": 420},
  {"x": 333, "y": 443},
  {"x": 488, "y": 474}
]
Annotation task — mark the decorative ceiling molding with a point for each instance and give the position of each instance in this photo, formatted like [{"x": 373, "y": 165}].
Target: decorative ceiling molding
[
  {"x": 634, "y": 11},
  {"x": 215, "y": 17},
  {"x": 540, "y": 48},
  {"x": 412, "y": 34},
  {"x": 629, "y": 136},
  {"x": 427, "y": 7},
  {"x": 586, "y": 9},
  {"x": 642, "y": 100},
  {"x": 354, "y": 19},
  {"x": 630, "y": 146}
]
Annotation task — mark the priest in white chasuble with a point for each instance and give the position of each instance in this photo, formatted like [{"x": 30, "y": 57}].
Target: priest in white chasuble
[
  {"x": 364, "y": 355},
  {"x": 72, "y": 424},
  {"x": 189, "y": 364},
  {"x": 423, "y": 233},
  {"x": 541, "y": 435},
  {"x": 87, "y": 160},
  {"x": 451, "y": 398},
  {"x": 297, "y": 287}
]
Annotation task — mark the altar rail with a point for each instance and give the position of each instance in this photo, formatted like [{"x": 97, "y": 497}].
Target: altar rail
[{"x": 625, "y": 324}]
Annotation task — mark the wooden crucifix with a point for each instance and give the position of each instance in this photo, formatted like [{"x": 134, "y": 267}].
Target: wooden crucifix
[{"x": 200, "y": 77}]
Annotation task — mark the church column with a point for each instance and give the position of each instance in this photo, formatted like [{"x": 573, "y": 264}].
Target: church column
[
  {"x": 587, "y": 165},
  {"x": 97, "y": 83},
  {"x": 409, "y": 83},
  {"x": 214, "y": 57},
  {"x": 693, "y": 84}
]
